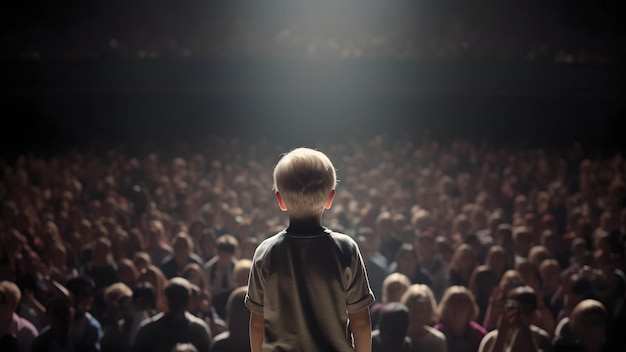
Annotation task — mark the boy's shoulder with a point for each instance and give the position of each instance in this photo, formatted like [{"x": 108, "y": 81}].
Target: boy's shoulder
[
  {"x": 343, "y": 240},
  {"x": 340, "y": 238},
  {"x": 272, "y": 239}
]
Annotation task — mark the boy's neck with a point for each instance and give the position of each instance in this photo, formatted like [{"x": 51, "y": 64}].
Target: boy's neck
[{"x": 305, "y": 225}]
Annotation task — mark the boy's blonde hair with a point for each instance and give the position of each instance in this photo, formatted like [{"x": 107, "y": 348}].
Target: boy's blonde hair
[{"x": 304, "y": 178}]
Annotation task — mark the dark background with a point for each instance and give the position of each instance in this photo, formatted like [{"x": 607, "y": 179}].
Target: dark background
[{"x": 542, "y": 73}]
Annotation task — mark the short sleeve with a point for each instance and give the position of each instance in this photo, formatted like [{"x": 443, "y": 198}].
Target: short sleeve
[
  {"x": 359, "y": 294},
  {"x": 256, "y": 286}
]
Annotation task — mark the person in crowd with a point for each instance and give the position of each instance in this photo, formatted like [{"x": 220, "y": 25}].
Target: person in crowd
[
  {"x": 219, "y": 269},
  {"x": 207, "y": 248},
  {"x": 457, "y": 312},
  {"x": 434, "y": 266},
  {"x": 553, "y": 243},
  {"x": 101, "y": 269},
  {"x": 552, "y": 288},
  {"x": 85, "y": 330},
  {"x": 482, "y": 284},
  {"x": 543, "y": 317},
  {"x": 391, "y": 334},
  {"x": 515, "y": 330},
  {"x": 142, "y": 261},
  {"x": 589, "y": 323},
  {"x": 117, "y": 318},
  {"x": 522, "y": 242},
  {"x": 504, "y": 239},
  {"x": 143, "y": 305},
  {"x": 127, "y": 272},
  {"x": 610, "y": 286},
  {"x": 163, "y": 331},
  {"x": 462, "y": 266},
  {"x": 55, "y": 337},
  {"x": 183, "y": 255},
  {"x": 237, "y": 337},
  {"x": 194, "y": 273},
  {"x": 510, "y": 280},
  {"x": 157, "y": 280},
  {"x": 444, "y": 250},
  {"x": 239, "y": 278},
  {"x": 202, "y": 303},
  {"x": 376, "y": 272},
  {"x": 394, "y": 286},
  {"x": 420, "y": 301},
  {"x": 538, "y": 254},
  {"x": 16, "y": 333},
  {"x": 390, "y": 241},
  {"x": 406, "y": 262},
  {"x": 577, "y": 288},
  {"x": 580, "y": 255},
  {"x": 58, "y": 269},
  {"x": 156, "y": 244}
]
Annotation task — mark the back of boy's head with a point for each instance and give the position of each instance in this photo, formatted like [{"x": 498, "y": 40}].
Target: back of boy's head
[{"x": 304, "y": 178}]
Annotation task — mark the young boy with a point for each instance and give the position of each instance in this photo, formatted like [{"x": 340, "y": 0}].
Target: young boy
[{"x": 308, "y": 286}]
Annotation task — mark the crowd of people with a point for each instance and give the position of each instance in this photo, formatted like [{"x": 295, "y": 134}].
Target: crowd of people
[
  {"x": 321, "y": 30},
  {"x": 468, "y": 246}
]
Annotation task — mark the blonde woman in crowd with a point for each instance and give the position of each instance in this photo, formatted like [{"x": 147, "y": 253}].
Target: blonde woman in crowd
[
  {"x": 155, "y": 277},
  {"x": 422, "y": 306},
  {"x": 394, "y": 286},
  {"x": 457, "y": 312},
  {"x": 462, "y": 265}
]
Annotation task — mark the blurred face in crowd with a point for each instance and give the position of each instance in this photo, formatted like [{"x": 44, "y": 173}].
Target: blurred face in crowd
[
  {"x": 497, "y": 261},
  {"x": 127, "y": 272},
  {"x": 406, "y": 260},
  {"x": 194, "y": 277},
  {"x": 101, "y": 251},
  {"x": 395, "y": 291},
  {"x": 182, "y": 247},
  {"x": 426, "y": 247},
  {"x": 420, "y": 313},
  {"x": 460, "y": 311}
]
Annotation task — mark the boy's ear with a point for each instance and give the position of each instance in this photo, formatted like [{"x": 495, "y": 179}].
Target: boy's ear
[
  {"x": 329, "y": 202},
  {"x": 281, "y": 202}
]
